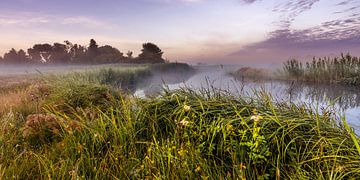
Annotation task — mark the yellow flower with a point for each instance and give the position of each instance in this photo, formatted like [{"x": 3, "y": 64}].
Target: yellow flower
[
  {"x": 242, "y": 166},
  {"x": 198, "y": 169},
  {"x": 182, "y": 152},
  {"x": 187, "y": 108},
  {"x": 229, "y": 127}
]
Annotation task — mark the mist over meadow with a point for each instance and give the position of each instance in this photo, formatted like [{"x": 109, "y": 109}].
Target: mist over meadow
[{"x": 180, "y": 89}]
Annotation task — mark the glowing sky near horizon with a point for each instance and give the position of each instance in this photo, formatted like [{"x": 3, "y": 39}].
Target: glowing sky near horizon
[{"x": 226, "y": 31}]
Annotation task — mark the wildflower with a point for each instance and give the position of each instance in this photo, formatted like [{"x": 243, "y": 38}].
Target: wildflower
[
  {"x": 187, "y": 108},
  {"x": 182, "y": 152},
  {"x": 183, "y": 123},
  {"x": 198, "y": 169},
  {"x": 229, "y": 127},
  {"x": 256, "y": 118},
  {"x": 242, "y": 166}
]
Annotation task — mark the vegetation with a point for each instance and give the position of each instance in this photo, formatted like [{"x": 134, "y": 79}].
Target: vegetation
[
  {"x": 150, "y": 53},
  {"x": 252, "y": 73},
  {"x": 80, "y": 126},
  {"x": 344, "y": 70},
  {"x": 69, "y": 53}
]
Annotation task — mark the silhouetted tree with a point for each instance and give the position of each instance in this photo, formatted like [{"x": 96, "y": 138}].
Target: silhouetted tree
[
  {"x": 129, "y": 54},
  {"x": 40, "y": 53},
  {"x": 151, "y": 53},
  {"x": 109, "y": 54},
  {"x": 15, "y": 57},
  {"x": 59, "y": 54},
  {"x": 68, "y": 52},
  {"x": 77, "y": 53},
  {"x": 92, "y": 51}
]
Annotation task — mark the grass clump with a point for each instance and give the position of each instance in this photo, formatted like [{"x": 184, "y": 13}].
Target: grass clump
[{"x": 180, "y": 134}]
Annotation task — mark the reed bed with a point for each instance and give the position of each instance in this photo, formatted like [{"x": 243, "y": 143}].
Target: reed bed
[
  {"x": 344, "y": 70},
  {"x": 181, "y": 134}
]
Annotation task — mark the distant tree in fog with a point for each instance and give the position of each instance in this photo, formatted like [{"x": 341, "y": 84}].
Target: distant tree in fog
[
  {"x": 92, "y": 51},
  {"x": 40, "y": 53},
  {"x": 59, "y": 54},
  {"x": 129, "y": 54},
  {"x": 77, "y": 53},
  {"x": 15, "y": 57},
  {"x": 109, "y": 54},
  {"x": 69, "y": 53},
  {"x": 150, "y": 53}
]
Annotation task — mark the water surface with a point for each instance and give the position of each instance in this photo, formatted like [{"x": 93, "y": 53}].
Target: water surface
[{"x": 346, "y": 100}]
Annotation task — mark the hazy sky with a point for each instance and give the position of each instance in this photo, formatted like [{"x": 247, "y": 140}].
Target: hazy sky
[{"x": 226, "y": 31}]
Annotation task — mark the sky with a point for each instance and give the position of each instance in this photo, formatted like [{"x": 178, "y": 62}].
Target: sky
[{"x": 207, "y": 31}]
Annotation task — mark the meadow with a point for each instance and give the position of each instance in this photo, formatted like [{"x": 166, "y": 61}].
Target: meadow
[{"x": 88, "y": 125}]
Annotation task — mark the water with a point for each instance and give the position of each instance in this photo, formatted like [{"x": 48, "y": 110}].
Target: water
[{"x": 346, "y": 100}]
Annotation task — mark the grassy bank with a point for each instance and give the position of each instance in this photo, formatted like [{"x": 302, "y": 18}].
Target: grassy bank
[
  {"x": 80, "y": 126},
  {"x": 252, "y": 73}
]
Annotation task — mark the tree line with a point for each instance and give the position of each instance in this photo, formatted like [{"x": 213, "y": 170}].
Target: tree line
[{"x": 69, "y": 53}]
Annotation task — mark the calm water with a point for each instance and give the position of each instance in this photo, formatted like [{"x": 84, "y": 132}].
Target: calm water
[{"x": 346, "y": 99}]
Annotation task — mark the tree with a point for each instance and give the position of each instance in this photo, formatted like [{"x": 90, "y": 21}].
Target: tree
[
  {"x": 40, "y": 53},
  {"x": 15, "y": 57},
  {"x": 109, "y": 54},
  {"x": 129, "y": 54},
  {"x": 77, "y": 53},
  {"x": 92, "y": 51},
  {"x": 59, "y": 54},
  {"x": 151, "y": 53}
]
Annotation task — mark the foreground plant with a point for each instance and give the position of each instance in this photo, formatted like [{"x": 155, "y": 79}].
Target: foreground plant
[{"x": 89, "y": 130}]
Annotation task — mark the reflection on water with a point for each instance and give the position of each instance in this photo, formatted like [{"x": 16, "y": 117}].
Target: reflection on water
[{"x": 346, "y": 99}]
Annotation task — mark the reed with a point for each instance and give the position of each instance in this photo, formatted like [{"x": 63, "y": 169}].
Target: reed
[{"x": 344, "y": 70}]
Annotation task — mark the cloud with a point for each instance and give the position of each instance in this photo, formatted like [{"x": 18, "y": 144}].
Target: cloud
[
  {"x": 33, "y": 19},
  {"x": 248, "y": 1},
  {"x": 82, "y": 20},
  {"x": 342, "y": 34},
  {"x": 329, "y": 37},
  {"x": 289, "y": 10},
  {"x": 22, "y": 20}
]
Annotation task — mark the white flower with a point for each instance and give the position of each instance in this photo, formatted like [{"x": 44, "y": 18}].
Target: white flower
[
  {"x": 256, "y": 118},
  {"x": 183, "y": 123}
]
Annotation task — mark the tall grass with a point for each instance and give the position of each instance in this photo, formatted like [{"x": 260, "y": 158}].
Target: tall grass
[
  {"x": 344, "y": 69},
  {"x": 185, "y": 134}
]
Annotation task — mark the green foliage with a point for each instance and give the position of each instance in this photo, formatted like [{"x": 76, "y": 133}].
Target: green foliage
[
  {"x": 178, "y": 135},
  {"x": 81, "y": 95},
  {"x": 344, "y": 70}
]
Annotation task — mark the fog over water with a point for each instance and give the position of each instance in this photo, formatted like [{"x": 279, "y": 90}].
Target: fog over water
[{"x": 346, "y": 99}]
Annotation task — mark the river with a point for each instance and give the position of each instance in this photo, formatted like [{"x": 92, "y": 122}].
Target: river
[{"x": 346, "y": 100}]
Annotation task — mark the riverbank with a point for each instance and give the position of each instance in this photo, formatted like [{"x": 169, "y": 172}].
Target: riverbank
[{"x": 80, "y": 126}]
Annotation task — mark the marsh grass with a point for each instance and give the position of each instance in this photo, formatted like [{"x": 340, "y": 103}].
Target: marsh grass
[
  {"x": 185, "y": 134},
  {"x": 101, "y": 132},
  {"x": 343, "y": 70}
]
